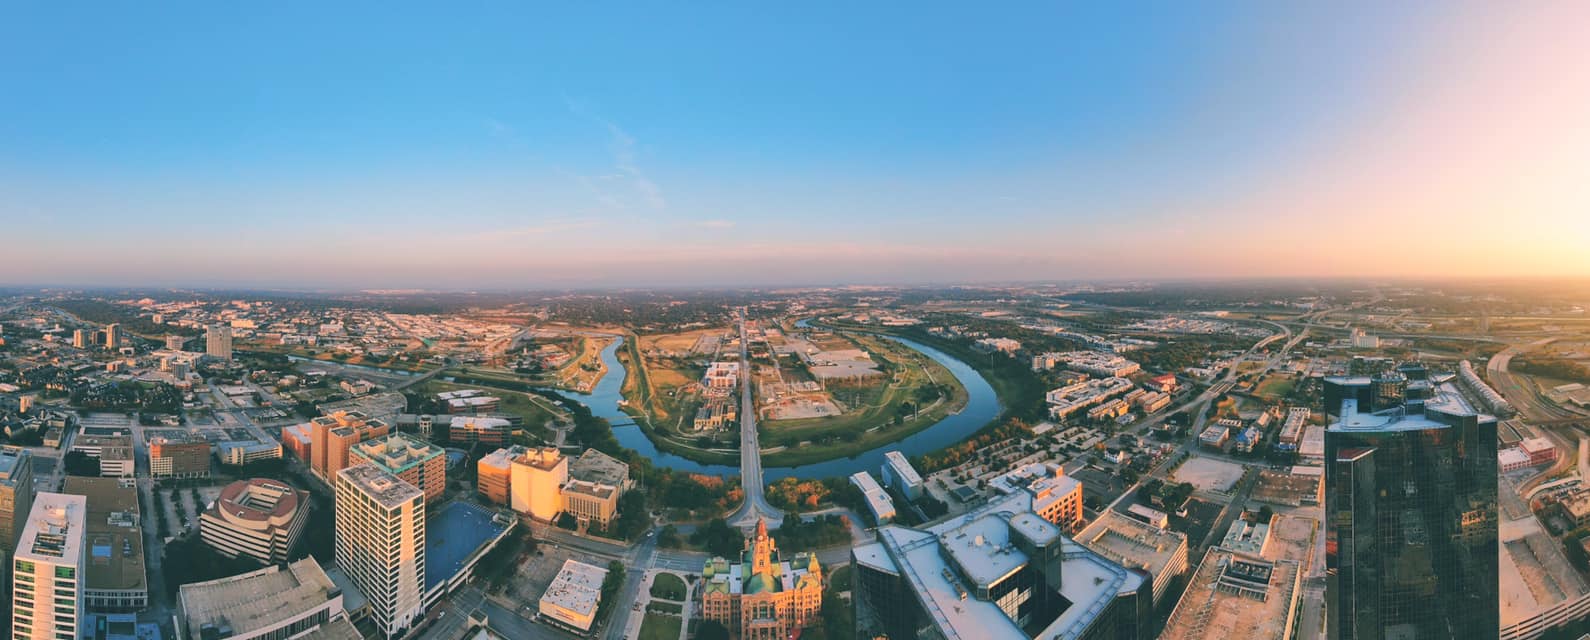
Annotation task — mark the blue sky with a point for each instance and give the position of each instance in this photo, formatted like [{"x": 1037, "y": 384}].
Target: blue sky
[{"x": 504, "y": 144}]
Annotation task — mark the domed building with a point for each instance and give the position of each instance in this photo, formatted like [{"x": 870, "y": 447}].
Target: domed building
[{"x": 760, "y": 597}]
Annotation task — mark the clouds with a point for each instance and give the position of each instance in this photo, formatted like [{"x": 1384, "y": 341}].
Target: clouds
[{"x": 627, "y": 187}]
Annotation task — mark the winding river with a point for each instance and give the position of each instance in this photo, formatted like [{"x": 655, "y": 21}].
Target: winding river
[{"x": 982, "y": 406}]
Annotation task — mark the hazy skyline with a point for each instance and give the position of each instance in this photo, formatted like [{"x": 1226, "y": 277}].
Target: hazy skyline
[{"x": 503, "y": 146}]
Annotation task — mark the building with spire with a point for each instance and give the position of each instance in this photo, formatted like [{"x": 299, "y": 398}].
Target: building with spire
[{"x": 760, "y": 596}]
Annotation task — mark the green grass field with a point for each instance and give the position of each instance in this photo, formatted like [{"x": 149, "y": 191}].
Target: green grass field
[
  {"x": 1276, "y": 385},
  {"x": 874, "y": 406},
  {"x": 668, "y": 587},
  {"x": 659, "y": 627}
]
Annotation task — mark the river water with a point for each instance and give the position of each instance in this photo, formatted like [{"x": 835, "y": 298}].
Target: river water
[{"x": 982, "y": 406}]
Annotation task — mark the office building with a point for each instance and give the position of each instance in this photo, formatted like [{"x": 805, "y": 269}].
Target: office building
[
  {"x": 1238, "y": 596},
  {"x": 536, "y": 480},
  {"x": 297, "y": 441},
  {"x": 898, "y": 473},
  {"x": 183, "y": 455},
  {"x": 115, "y": 577},
  {"x": 380, "y": 539},
  {"x": 114, "y": 452},
  {"x": 267, "y": 604},
  {"x": 80, "y": 339},
  {"x": 1135, "y": 544},
  {"x": 543, "y": 483},
  {"x": 481, "y": 429},
  {"x": 16, "y": 495},
  {"x": 331, "y": 436},
  {"x": 259, "y": 518},
  {"x": 1411, "y": 511},
  {"x": 573, "y": 597},
  {"x": 761, "y": 596},
  {"x": 47, "y": 570},
  {"x": 493, "y": 471},
  {"x": 218, "y": 341},
  {"x": 237, "y": 453},
  {"x": 999, "y": 571},
  {"x": 113, "y": 337},
  {"x": 1058, "y": 499},
  {"x": 878, "y": 501},
  {"x": 417, "y": 463},
  {"x": 176, "y": 342}
]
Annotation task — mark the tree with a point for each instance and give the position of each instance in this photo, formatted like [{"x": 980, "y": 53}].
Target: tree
[
  {"x": 669, "y": 537},
  {"x": 711, "y": 630}
]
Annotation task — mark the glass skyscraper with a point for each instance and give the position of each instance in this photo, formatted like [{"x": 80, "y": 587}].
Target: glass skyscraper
[{"x": 1411, "y": 513}]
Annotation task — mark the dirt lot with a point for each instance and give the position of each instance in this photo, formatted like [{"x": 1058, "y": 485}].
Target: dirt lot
[
  {"x": 1209, "y": 475},
  {"x": 698, "y": 342}
]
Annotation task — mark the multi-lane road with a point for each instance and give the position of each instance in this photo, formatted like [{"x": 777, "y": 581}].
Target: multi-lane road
[{"x": 756, "y": 506}]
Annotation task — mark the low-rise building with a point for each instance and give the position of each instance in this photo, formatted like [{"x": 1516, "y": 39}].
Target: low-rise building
[
  {"x": 1097, "y": 363},
  {"x": 1237, "y": 596},
  {"x": 1215, "y": 436},
  {"x": 114, "y": 453},
  {"x": 115, "y": 579},
  {"x": 878, "y": 500},
  {"x": 897, "y": 472},
  {"x": 1292, "y": 429},
  {"x": 573, "y": 597},
  {"x": 180, "y": 455},
  {"x": 241, "y": 452},
  {"x": 492, "y": 473},
  {"x": 1058, "y": 499},
  {"x": 1110, "y": 410},
  {"x": 1006, "y": 346},
  {"x": 482, "y": 429},
  {"x": 1132, "y": 543},
  {"x": 1070, "y": 399},
  {"x": 295, "y": 601},
  {"x": 260, "y": 519}
]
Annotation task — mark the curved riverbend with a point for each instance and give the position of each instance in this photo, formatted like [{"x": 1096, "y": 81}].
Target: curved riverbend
[{"x": 982, "y": 407}]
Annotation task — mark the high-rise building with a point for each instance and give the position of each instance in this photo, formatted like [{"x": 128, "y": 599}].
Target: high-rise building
[
  {"x": 16, "y": 495},
  {"x": 418, "y": 463},
  {"x": 1410, "y": 512},
  {"x": 113, "y": 336},
  {"x": 999, "y": 571},
  {"x": 80, "y": 338},
  {"x": 380, "y": 544},
  {"x": 218, "y": 341},
  {"x": 331, "y": 435},
  {"x": 47, "y": 570}
]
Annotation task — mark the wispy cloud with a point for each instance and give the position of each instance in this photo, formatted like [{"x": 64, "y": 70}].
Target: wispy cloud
[
  {"x": 625, "y": 151},
  {"x": 716, "y": 224},
  {"x": 551, "y": 226},
  {"x": 497, "y": 128}
]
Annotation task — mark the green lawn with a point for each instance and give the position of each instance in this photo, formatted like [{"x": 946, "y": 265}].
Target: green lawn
[
  {"x": 839, "y": 580},
  {"x": 659, "y": 627},
  {"x": 668, "y": 587},
  {"x": 1276, "y": 385}
]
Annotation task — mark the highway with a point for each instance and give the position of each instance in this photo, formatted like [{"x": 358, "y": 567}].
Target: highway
[{"x": 755, "y": 506}]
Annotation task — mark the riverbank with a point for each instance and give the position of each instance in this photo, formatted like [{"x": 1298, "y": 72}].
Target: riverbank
[{"x": 805, "y": 441}]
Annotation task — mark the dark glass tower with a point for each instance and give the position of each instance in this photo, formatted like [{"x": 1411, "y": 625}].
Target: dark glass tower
[{"x": 1411, "y": 520}]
